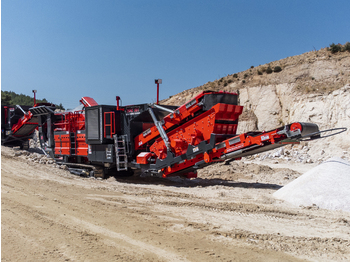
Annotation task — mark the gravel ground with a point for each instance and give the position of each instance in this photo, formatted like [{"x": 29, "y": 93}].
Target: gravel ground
[{"x": 228, "y": 213}]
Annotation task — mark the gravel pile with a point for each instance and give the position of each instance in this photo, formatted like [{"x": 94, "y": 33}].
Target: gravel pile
[
  {"x": 36, "y": 156},
  {"x": 326, "y": 186}
]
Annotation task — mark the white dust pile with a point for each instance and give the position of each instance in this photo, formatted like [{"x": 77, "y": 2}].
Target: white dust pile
[{"x": 326, "y": 186}]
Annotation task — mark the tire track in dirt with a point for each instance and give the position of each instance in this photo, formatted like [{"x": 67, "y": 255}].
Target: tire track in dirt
[
  {"x": 50, "y": 215},
  {"x": 138, "y": 244},
  {"x": 270, "y": 241}
]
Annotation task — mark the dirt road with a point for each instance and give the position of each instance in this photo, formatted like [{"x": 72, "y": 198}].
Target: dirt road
[{"x": 50, "y": 215}]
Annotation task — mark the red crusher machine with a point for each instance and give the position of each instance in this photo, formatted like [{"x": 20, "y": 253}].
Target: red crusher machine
[{"x": 103, "y": 140}]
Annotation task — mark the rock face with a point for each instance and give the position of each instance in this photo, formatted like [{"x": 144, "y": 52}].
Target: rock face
[
  {"x": 265, "y": 103},
  {"x": 274, "y": 105}
]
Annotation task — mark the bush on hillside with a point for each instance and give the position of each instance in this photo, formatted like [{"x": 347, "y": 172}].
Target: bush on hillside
[
  {"x": 268, "y": 70},
  {"x": 277, "y": 69},
  {"x": 347, "y": 46},
  {"x": 334, "y": 48}
]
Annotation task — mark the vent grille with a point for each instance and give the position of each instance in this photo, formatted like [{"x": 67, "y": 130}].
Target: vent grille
[{"x": 92, "y": 124}]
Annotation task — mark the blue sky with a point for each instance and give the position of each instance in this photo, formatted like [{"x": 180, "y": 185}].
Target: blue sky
[{"x": 67, "y": 49}]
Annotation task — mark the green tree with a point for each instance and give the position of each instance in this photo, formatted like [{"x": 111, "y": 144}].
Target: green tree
[
  {"x": 5, "y": 99},
  {"x": 60, "y": 106},
  {"x": 12, "y": 98}
]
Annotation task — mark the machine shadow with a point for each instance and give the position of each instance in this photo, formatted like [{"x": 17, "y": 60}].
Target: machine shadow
[{"x": 196, "y": 182}]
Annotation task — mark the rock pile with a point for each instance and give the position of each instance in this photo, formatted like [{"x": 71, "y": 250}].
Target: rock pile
[
  {"x": 38, "y": 158},
  {"x": 325, "y": 186},
  {"x": 34, "y": 143}
]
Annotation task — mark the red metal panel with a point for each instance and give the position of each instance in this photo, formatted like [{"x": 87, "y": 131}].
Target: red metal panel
[
  {"x": 57, "y": 139},
  {"x": 65, "y": 144},
  {"x": 88, "y": 101},
  {"x": 110, "y": 124},
  {"x": 81, "y": 146},
  {"x": 62, "y": 144},
  {"x": 143, "y": 158}
]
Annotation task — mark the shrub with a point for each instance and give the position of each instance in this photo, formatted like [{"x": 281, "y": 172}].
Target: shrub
[
  {"x": 243, "y": 81},
  {"x": 269, "y": 70},
  {"x": 277, "y": 69},
  {"x": 347, "y": 46},
  {"x": 252, "y": 67},
  {"x": 225, "y": 84},
  {"x": 334, "y": 48},
  {"x": 245, "y": 75},
  {"x": 229, "y": 81},
  {"x": 235, "y": 75},
  {"x": 259, "y": 72}
]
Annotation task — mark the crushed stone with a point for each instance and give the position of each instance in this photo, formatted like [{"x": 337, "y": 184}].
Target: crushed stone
[{"x": 325, "y": 186}]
